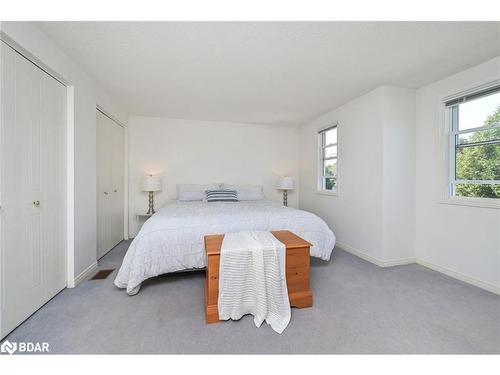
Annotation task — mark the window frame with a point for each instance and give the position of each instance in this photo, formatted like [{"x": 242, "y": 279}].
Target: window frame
[
  {"x": 451, "y": 133},
  {"x": 321, "y": 147}
]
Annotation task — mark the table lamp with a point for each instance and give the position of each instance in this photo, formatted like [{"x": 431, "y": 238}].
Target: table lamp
[
  {"x": 285, "y": 183},
  {"x": 151, "y": 184}
]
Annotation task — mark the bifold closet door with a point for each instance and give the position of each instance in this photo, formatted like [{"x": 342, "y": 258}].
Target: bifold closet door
[
  {"x": 117, "y": 183},
  {"x": 110, "y": 183},
  {"x": 33, "y": 188}
]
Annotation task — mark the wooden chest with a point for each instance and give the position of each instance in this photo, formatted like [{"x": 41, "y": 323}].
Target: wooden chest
[{"x": 297, "y": 271}]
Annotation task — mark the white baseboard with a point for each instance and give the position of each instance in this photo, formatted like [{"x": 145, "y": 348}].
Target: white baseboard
[
  {"x": 460, "y": 276},
  {"x": 83, "y": 275},
  {"x": 379, "y": 262},
  {"x": 398, "y": 262}
]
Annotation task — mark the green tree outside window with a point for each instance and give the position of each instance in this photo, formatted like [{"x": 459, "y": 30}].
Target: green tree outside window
[{"x": 480, "y": 162}]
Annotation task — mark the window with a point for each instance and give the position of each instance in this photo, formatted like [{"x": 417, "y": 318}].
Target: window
[
  {"x": 474, "y": 123},
  {"x": 328, "y": 159}
]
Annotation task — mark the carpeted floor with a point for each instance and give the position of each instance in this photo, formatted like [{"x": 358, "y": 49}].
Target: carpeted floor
[{"x": 358, "y": 308}]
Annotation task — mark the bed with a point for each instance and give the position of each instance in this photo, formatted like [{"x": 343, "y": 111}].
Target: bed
[{"x": 172, "y": 239}]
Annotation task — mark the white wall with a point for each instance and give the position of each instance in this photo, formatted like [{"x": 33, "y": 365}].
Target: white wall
[
  {"x": 373, "y": 213},
  {"x": 355, "y": 214},
  {"x": 398, "y": 213},
  {"x": 461, "y": 240},
  {"x": 87, "y": 95},
  {"x": 391, "y": 206},
  {"x": 186, "y": 151}
]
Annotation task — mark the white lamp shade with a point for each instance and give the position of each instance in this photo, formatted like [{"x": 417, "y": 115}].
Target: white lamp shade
[
  {"x": 285, "y": 183},
  {"x": 151, "y": 183}
]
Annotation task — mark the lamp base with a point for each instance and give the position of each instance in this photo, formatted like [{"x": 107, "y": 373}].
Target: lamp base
[
  {"x": 285, "y": 198},
  {"x": 151, "y": 209}
]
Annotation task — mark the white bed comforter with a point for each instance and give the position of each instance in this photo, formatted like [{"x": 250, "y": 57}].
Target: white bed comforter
[{"x": 173, "y": 238}]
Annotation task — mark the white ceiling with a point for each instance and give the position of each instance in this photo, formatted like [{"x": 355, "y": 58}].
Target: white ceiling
[{"x": 270, "y": 73}]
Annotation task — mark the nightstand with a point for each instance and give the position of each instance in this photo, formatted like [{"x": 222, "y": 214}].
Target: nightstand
[{"x": 142, "y": 218}]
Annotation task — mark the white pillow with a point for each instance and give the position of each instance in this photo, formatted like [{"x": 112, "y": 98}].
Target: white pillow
[
  {"x": 246, "y": 192},
  {"x": 194, "y": 192}
]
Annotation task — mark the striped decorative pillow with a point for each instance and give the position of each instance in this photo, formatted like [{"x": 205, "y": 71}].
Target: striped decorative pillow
[{"x": 222, "y": 196}]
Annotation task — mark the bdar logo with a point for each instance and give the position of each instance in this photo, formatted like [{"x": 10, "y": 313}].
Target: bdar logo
[
  {"x": 24, "y": 347},
  {"x": 8, "y": 347}
]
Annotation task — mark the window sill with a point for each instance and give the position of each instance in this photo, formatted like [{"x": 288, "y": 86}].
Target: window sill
[
  {"x": 327, "y": 192},
  {"x": 472, "y": 202}
]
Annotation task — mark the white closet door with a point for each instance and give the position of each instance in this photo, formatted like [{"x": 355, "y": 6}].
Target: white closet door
[
  {"x": 33, "y": 189},
  {"x": 53, "y": 181},
  {"x": 103, "y": 185},
  {"x": 117, "y": 182},
  {"x": 110, "y": 184}
]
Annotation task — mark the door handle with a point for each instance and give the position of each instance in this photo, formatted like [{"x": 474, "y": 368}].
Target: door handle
[
  {"x": 36, "y": 204},
  {"x": 105, "y": 193}
]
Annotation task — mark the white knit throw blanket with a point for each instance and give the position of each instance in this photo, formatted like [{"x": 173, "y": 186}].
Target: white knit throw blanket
[{"x": 252, "y": 279}]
